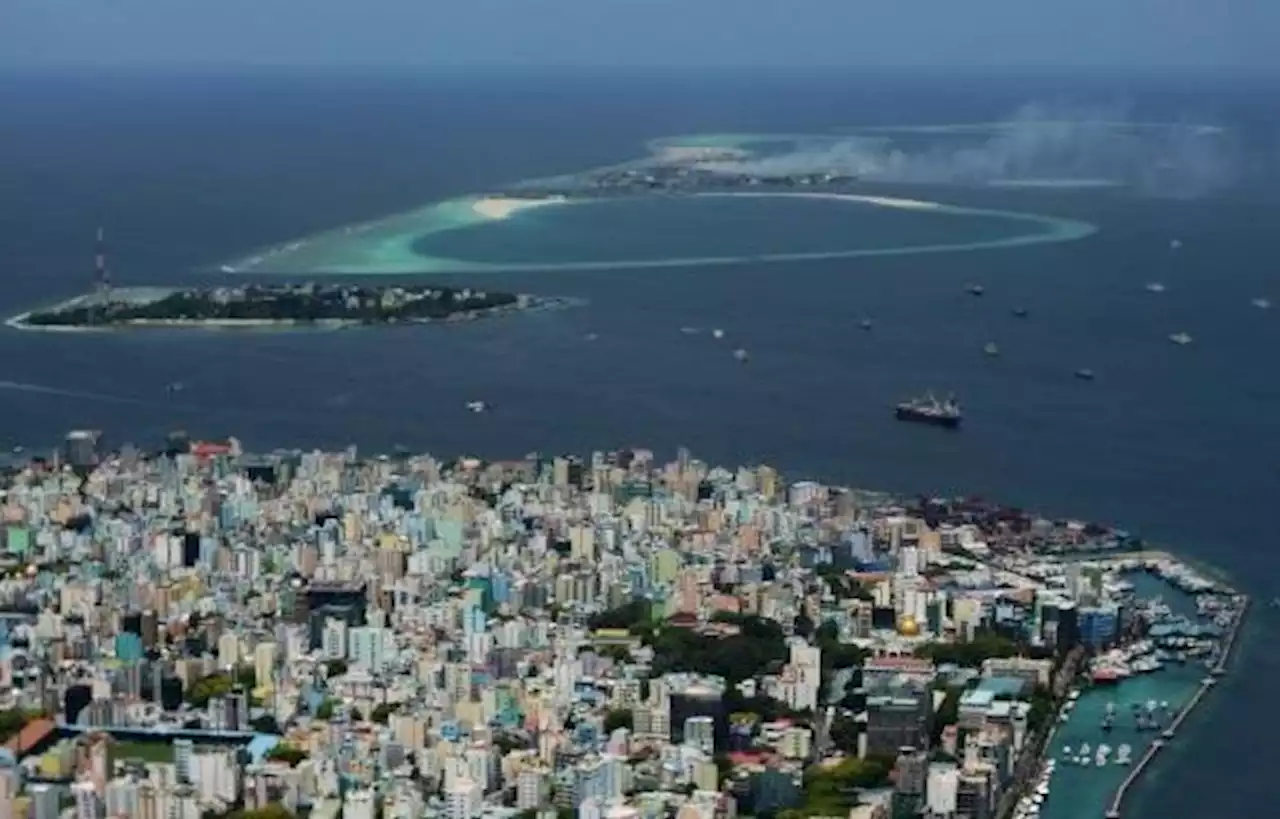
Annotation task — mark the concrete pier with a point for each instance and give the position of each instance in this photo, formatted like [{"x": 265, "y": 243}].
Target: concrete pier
[{"x": 1117, "y": 799}]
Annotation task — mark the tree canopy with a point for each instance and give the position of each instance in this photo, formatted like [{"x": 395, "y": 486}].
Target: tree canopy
[
  {"x": 971, "y": 653},
  {"x": 759, "y": 645},
  {"x": 617, "y": 718},
  {"x": 1043, "y": 708},
  {"x": 285, "y": 752},
  {"x": 832, "y": 790},
  {"x": 272, "y": 811},
  {"x": 210, "y": 687},
  {"x": 632, "y": 616},
  {"x": 325, "y": 711}
]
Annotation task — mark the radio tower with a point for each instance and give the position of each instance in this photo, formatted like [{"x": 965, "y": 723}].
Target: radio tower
[{"x": 101, "y": 278}]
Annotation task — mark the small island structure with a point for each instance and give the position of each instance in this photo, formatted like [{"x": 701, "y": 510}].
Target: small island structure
[{"x": 327, "y": 304}]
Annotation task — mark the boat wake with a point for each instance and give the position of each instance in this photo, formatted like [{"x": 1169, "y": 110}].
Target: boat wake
[{"x": 41, "y": 389}]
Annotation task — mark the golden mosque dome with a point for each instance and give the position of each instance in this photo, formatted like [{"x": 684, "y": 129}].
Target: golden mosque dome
[{"x": 908, "y": 627}]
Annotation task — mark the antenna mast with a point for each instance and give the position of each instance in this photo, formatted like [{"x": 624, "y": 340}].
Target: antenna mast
[{"x": 101, "y": 277}]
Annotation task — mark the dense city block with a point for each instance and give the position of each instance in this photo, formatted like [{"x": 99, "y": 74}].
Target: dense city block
[{"x": 200, "y": 631}]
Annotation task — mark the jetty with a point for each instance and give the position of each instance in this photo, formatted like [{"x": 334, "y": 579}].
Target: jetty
[{"x": 1153, "y": 750}]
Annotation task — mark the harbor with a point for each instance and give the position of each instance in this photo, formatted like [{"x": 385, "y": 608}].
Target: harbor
[{"x": 1135, "y": 701}]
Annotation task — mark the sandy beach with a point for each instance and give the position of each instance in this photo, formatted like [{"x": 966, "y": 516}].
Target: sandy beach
[{"x": 497, "y": 207}]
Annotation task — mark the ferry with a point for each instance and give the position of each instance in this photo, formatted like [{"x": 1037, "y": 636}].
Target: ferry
[
  {"x": 1262, "y": 304},
  {"x": 929, "y": 410}
]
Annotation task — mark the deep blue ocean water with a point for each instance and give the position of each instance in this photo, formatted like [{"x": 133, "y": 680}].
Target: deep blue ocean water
[{"x": 1179, "y": 444}]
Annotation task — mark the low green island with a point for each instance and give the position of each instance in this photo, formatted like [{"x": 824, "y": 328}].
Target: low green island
[{"x": 331, "y": 304}]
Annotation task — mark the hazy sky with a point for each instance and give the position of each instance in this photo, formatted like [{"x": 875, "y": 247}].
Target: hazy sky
[{"x": 1144, "y": 34}]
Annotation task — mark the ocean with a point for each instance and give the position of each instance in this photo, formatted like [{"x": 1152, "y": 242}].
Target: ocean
[{"x": 1178, "y": 444}]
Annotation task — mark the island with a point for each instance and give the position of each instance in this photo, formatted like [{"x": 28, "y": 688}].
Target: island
[
  {"x": 869, "y": 655},
  {"x": 332, "y": 304}
]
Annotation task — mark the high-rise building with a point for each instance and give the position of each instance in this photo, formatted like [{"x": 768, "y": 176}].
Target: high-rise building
[
  {"x": 368, "y": 647},
  {"x": 533, "y": 786},
  {"x": 122, "y": 798},
  {"x": 183, "y": 749},
  {"x": 44, "y": 801},
  {"x": 463, "y": 799},
  {"x": 82, "y": 447},
  {"x": 700, "y": 732},
  {"x": 85, "y": 800},
  {"x": 10, "y": 784},
  {"x": 333, "y": 641},
  {"x": 358, "y": 804},
  {"x": 806, "y": 666},
  {"x": 264, "y": 663}
]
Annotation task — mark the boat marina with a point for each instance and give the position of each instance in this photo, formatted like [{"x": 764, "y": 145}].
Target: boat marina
[{"x": 1132, "y": 699}]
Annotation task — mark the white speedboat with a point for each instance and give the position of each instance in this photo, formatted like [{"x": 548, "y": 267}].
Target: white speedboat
[
  {"x": 1261, "y": 304},
  {"x": 740, "y": 354},
  {"x": 1155, "y": 287},
  {"x": 1181, "y": 339},
  {"x": 477, "y": 406},
  {"x": 717, "y": 333}
]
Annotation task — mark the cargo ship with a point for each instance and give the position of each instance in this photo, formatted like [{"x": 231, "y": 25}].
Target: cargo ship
[{"x": 929, "y": 410}]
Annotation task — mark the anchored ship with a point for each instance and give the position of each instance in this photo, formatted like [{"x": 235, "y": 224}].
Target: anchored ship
[{"x": 929, "y": 410}]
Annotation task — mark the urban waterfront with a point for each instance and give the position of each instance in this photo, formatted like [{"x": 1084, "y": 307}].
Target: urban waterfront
[
  {"x": 805, "y": 648},
  {"x": 1173, "y": 443}
]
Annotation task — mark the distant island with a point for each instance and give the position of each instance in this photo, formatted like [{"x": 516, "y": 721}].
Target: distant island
[{"x": 266, "y": 305}]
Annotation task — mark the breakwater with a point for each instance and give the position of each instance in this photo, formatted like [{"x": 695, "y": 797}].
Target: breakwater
[{"x": 1153, "y": 750}]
